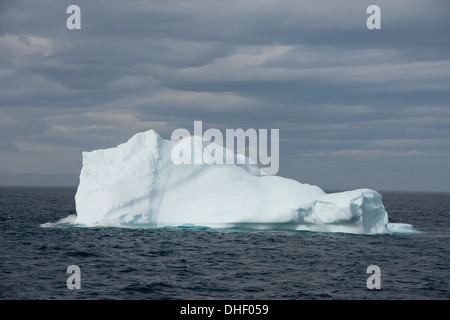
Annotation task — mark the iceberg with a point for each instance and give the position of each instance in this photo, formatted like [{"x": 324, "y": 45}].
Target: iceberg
[{"x": 136, "y": 184}]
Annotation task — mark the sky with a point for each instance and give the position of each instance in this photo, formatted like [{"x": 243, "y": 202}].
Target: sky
[{"x": 355, "y": 108}]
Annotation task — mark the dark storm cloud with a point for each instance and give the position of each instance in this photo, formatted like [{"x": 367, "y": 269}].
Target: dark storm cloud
[{"x": 345, "y": 98}]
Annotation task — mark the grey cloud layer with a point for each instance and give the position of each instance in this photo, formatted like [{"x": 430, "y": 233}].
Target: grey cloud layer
[{"x": 339, "y": 93}]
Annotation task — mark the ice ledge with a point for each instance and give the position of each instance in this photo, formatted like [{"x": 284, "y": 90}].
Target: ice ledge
[{"x": 357, "y": 211}]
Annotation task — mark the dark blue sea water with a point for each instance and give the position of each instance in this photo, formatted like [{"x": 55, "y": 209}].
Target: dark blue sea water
[{"x": 199, "y": 263}]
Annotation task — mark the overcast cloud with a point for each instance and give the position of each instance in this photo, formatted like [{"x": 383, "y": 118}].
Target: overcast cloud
[{"x": 355, "y": 107}]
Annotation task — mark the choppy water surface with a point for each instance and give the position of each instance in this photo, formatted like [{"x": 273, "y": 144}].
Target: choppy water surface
[{"x": 200, "y": 263}]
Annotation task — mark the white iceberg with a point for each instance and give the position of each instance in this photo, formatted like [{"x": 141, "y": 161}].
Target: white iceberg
[{"x": 136, "y": 184}]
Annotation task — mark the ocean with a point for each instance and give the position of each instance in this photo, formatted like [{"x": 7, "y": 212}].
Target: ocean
[{"x": 206, "y": 264}]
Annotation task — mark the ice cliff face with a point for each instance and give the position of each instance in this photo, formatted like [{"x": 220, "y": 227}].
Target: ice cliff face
[{"x": 136, "y": 184}]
